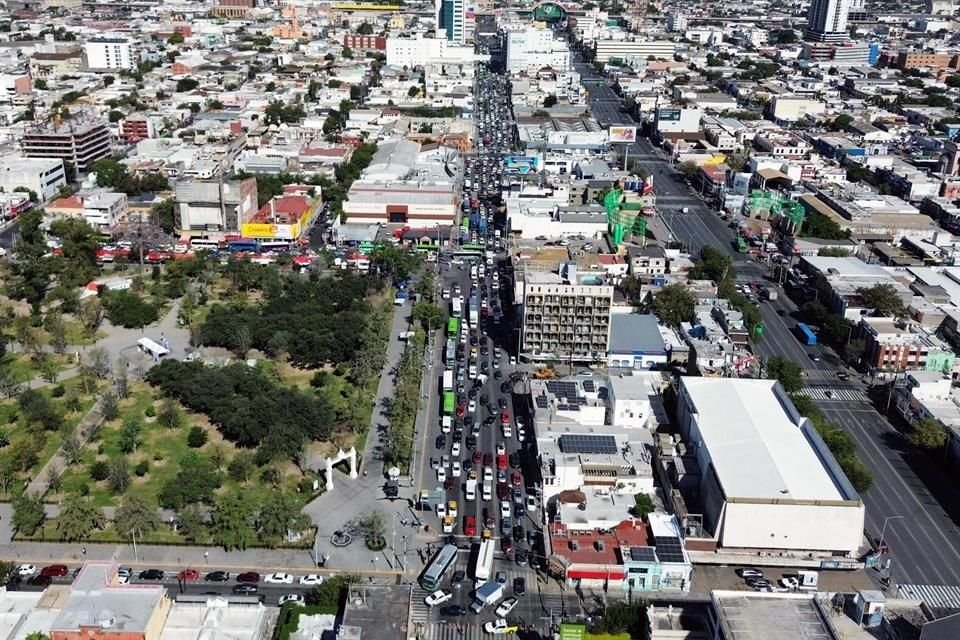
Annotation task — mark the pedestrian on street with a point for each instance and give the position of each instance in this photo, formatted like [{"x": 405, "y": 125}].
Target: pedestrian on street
[{"x": 83, "y": 550}]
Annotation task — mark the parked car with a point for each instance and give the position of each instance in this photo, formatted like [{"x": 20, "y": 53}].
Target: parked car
[
  {"x": 54, "y": 570},
  {"x": 311, "y": 579},
  {"x": 40, "y": 580},
  {"x": 749, "y": 572},
  {"x": 245, "y": 589},
  {"x": 188, "y": 575},
  {"x": 279, "y": 578},
  {"x": 249, "y": 576},
  {"x": 151, "y": 574},
  {"x": 294, "y": 598},
  {"x": 25, "y": 570},
  {"x": 506, "y": 607},
  {"x": 218, "y": 576}
]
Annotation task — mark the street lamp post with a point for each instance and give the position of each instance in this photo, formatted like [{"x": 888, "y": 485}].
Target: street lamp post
[{"x": 883, "y": 531}]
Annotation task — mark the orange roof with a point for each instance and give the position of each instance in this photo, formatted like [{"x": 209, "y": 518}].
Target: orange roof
[
  {"x": 592, "y": 547},
  {"x": 283, "y": 210},
  {"x": 71, "y": 202},
  {"x": 609, "y": 258}
]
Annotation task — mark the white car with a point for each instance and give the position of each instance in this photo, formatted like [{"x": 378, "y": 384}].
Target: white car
[
  {"x": 472, "y": 406},
  {"x": 447, "y": 524},
  {"x": 311, "y": 579},
  {"x": 488, "y": 474},
  {"x": 455, "y": 451},
  {"x": 456, "y": 470},
  {"x": 505, "y": 510},
  {"x": 521, "y": 435},
  {"x": 441, "y": 511},
  {"x": 531, "y": 503},
  {"x": 441, "y": 475},
  {"x": 279, "y": 578},
  {"x": 501, "y": 449},
  {"x": 26, "y": 570},
  {"x": 789, "y": 582},
  {"x": 506, "y": 607},
  {"x": 437, "y": 597},
  {"x": 499, "y": 627},
  {"x": 295, "y": 598},
  {"x": 507, "y": 431}
]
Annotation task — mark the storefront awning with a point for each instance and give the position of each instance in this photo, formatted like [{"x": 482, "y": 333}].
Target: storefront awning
[{"x": 612, "y": 574}]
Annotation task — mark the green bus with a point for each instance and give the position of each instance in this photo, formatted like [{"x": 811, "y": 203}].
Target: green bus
[
  {"x": 453, "y": 327},
  {"x": 473, "y": 248},
  {"x": 449, "y": 403}
]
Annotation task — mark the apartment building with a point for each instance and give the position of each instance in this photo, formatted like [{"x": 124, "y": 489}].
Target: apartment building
[
  {"x": 894, "y": 345},
  {"x": 233, "y": 8},
  {"x": 109, "y": 53},
  {"x": 923, "y": 60},
  {"x": 606, "y": 50},
  {"x": 566, "y": 317},
  {"x": 80, "y": 142}
]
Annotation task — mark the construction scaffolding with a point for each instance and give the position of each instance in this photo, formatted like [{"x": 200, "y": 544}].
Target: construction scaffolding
[
  {"x": 624, "y": 217},
  {"x": 767, "y": 203}
]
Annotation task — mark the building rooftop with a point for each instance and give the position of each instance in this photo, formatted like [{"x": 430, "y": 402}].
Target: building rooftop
[
  {"x": 757, "y": 449},
  {"x": 748, "y": 616},
  {"x": 94, "y": 601},
  {"x": 217, "y": 619},
  {"x": 636, "y": 333}
]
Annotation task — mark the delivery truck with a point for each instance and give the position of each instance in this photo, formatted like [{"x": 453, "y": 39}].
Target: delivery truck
[{"x": 488, "y": 593}]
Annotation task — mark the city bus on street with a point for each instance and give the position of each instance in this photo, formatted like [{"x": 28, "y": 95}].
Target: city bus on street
[
  {"x": 453, "y": 327},
  {"x": 449, "y": 403},
  {"x": 432, "y": 576}
]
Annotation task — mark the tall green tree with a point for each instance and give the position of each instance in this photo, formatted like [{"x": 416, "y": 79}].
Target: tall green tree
[
  {"x": 883, "y": 299},
  {"x": 928, "y": 434},
  {"x": 674, "y": 304},
  {"x": 430, "y": 316},
  {"x": 278, "y": 515},
  {"x": 78, "y": 518},
  {"x": 135, "y": 515},
  {"x": 232, "y": 522},
  {"x": 31, "y": 269},
  {"x": 787, "y": 372},
  {"x": 28, "y": 514}
]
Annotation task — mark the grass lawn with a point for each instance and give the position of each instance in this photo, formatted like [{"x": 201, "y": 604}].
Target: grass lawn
[
  {"x": 15, "y": 427},
  {"x": 161, "y": 449},
  {"x": 77, "y": 336}
]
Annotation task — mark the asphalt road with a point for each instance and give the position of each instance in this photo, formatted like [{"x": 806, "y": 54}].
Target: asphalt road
[{"x": 9, "y": 233}]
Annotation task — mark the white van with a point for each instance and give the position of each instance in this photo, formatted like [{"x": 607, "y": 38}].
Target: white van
[
  {"x": 445, "y": 424},
  {"x": 482, "y": 379}
]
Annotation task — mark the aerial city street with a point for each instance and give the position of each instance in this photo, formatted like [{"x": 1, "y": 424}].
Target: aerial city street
[{"x": 440, "y": 320}]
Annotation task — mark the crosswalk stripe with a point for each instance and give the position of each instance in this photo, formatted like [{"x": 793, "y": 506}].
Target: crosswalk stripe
[
  {"x": 934, "y": 595},
  {"x": 850, "y": 395}
]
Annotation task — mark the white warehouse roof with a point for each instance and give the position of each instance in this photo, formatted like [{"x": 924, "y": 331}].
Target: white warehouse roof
[{"x": 757, "y": 449}]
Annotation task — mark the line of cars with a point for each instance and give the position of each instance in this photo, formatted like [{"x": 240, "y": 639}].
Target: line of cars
[{"x": 247, "y": 583}]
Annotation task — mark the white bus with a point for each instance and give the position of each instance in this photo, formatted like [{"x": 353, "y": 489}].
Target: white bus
[
  {"x": 204, "y": 243},
  {"x": 448, "y": 380},
  {"x": 485, "y": 560},
  {"x": 154, "y": 349},
  {"x": 456, "y": 307}
]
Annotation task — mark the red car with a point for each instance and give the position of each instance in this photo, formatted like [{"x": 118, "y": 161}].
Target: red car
[
  {"x": 502, "y": 462},
  {"x": 249, "y": 576},
  {"x": 477, "y": 456},
  {"x": 516, "y": 479},
  {"x": 505, "y": 417},
  {"x": 54, "y": 571},
  {"x": 461, "y": 409},
  {"x": 469, "y": 526},
  {"x": 503, "y": 492},
  {"x": 488, "y": 459},
  {"x": 188, "y": 575}
]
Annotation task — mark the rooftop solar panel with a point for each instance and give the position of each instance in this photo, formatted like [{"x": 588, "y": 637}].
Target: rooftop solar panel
[
  {"x": 588, "y": 444},
  {"x": 589, "y": 386},
  {"x": 542, "y": 402},
  {"x": 669, "y": 549},
  {"x": 643, "y": 554}
]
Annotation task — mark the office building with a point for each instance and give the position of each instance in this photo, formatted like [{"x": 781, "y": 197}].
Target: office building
[
  {"x": 42, "y": 176},
  {"x": 79, "y": 142},
  {"x": 566, "y": 316},
  {"x": 676, "y": 22},
  {"x": 233, "y": 8},
  {"x": 419, "y": 52},
  {"x": 451, "y": 17},
  {"x": 636, "y": 49},
  {"x": 532, "y": 49},
  {"x": 214, "y": 207},
  {"x": 103, "y": 54},
  {"x": 827, "y": 21}
]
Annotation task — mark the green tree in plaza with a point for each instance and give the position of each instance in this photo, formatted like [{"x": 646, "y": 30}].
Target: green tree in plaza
[
  {"x": 28, "y": 514},
  {"x": 883, "y": 299},
  {"x": 232, "y": 522},
  {"x": 928, "y": 434},
  {"x": 279, "y": 515},
  {"x": 32, "y": 268},
  {"x": 78, "y": 517},
  {"x": 674, "y": 304},
  {"x": 787, "y": 372},
  {"x": 135, "y": 516}
]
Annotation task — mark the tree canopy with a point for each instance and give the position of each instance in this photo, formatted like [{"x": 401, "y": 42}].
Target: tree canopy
[
  {"x": 248, "y": 408},
  {"x": 320, "y": 316},
  {"x": 928, "y": 434},
  {"x": 787, "y": 372},
  {"x": 883, "y": 299},
  {"x": 674, "y": 304}
]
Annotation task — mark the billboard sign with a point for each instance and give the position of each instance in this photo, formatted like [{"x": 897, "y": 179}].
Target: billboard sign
[
  {"x": 521, "y": 164},
  {"x": 570, "y": 631},
  {"x": 668, "y": 115},
  {"x": 623, "y": 134}
]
